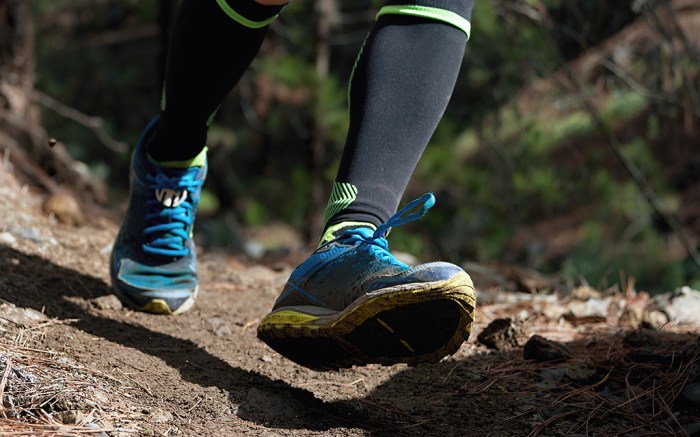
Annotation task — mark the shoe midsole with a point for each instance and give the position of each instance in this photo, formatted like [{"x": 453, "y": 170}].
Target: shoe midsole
[{"x": 300, "y": 318}]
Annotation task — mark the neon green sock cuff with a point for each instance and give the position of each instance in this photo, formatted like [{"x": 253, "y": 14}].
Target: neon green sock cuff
[
  {"x": 197, "y": 161},
  {"x": 331, "y": 233},
  {"x": 242, "y": 20},
  {"x": 437, "y": 14}
]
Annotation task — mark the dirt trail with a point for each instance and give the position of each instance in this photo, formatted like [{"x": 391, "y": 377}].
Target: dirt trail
[{"x": 205, "y": 373}]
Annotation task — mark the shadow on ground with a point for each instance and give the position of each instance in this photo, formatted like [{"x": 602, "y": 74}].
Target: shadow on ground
[
  {"x": 485, "y": 394},
  {"x": 32, "y": 282}
]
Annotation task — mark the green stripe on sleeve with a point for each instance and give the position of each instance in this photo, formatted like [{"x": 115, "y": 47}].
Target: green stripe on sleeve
[
  {"x": 342, "y": 195},
  {"x": 438, "y": 14},
  {"x": 243, "y": 20}
]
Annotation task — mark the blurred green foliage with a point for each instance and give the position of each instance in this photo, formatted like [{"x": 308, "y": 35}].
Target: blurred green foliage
[{"x": 498, "y": 169}]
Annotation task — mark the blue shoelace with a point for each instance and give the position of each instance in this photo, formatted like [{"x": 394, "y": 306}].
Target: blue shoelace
[
  {"x": 378, "y": 238},
  {"x": 426, "y": 201},
  {"x": 373, "y": 241},
  {"x": 168, "y": 230}
]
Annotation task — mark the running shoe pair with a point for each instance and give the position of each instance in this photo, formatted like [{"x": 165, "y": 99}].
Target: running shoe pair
[{"x": 350, "y": 303}]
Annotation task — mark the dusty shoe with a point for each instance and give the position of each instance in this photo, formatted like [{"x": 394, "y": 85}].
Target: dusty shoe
[
  {"x": 153, "y": 264},
  {"x": 352, "y": 303}
]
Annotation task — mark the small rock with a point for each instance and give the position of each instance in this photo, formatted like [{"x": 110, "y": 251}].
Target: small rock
[
  {"x": 540, "y": 349},
  {"x": 266, "y": 358},
  {"x": 108, "y": 302},
  {"x": 502, "y": 334},
  {"x": 65, "y": 209},
  {"x": 7, "y": 238},
  {"x": 640, "y": 338},
  {"x": 21, "y": 316}
]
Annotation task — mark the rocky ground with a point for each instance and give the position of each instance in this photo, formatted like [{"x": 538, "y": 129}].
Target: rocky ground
[{"x": 548, "y": 362}]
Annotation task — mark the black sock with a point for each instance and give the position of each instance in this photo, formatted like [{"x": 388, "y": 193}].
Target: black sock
[
  {"x": 401, "y": 84},
  {"x": 210, "y": 48}
]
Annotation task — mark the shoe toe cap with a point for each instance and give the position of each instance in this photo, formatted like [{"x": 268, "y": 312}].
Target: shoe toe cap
[{"x": 432, "y": 272}]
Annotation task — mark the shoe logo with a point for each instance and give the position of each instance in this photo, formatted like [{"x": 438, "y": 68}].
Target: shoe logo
[{"x": 170, "y": 198}]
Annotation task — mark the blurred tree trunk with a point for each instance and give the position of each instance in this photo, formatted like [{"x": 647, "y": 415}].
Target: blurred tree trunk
[
  {"x": 23, "y": 141},
  {"x": 17, "y": 62},
  {"x": 20, "y": 135}
]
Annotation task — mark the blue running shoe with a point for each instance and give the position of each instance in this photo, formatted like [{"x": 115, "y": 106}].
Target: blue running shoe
[
  {"x": 153, "y": 264},
  {"x": 352, "y": 303}
]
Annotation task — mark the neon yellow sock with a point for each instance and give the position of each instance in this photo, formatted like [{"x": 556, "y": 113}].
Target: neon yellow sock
[{"x": 330, "y": 233}]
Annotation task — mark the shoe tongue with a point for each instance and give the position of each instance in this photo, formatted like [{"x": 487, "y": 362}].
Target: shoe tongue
[{"x": 335, "y": 231}]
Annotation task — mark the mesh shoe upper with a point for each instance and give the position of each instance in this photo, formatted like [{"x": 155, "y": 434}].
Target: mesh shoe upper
[
  {"x": 358, "y": 262},
  {"x": 154, "y": 252}
]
